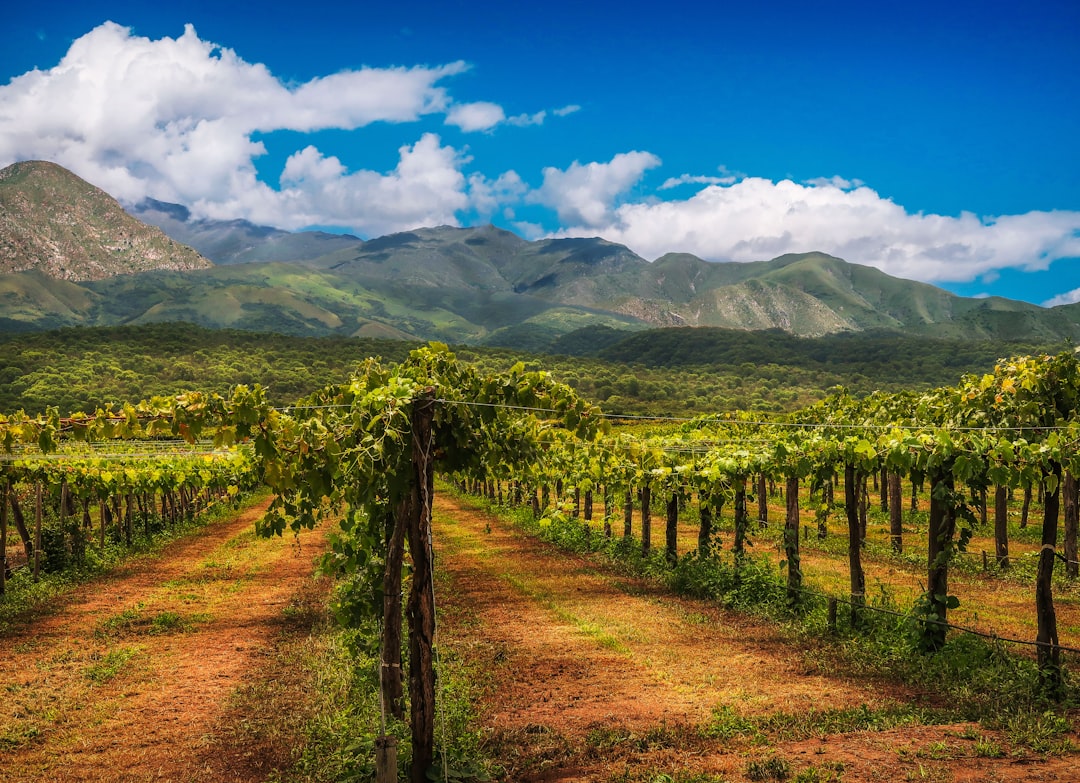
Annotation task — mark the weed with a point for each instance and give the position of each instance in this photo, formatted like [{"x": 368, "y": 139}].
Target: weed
[
  {"x": 938, "y": 751},
  {"x": 133, "y": 621},
  {"x": 110, "y": 665},
  {"x": 771, "y": 768},
  {"x": 988, "y": 749},
  {"x": 1037, "y": 732},
  {"x": 18, "y": 736},
  {"x": 726, "y": 724},
  {"x": 829, "y": 772}
]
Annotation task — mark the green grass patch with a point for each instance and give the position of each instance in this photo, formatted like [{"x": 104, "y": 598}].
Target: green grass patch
[
  {"x": 135, "y": 621},
  {"x": 110, "y": 665}
]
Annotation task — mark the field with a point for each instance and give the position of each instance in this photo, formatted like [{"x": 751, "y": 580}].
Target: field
[{"x": 499, "y": 626}]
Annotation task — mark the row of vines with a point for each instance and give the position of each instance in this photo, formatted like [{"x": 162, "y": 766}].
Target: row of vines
[
  {"x": 60, "y": 503},
  {"x": 367, "y": 451}
]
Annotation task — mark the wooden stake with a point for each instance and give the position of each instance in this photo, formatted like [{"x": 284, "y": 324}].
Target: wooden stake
[
  {"x": 3, "y": 534},
  {"x": 37, "y": 531}
]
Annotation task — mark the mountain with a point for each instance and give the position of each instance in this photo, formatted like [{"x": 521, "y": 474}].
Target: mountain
[
  {"x": 461, "y": 285},
  {"x": 238, "y": 241},
  {"x": 61, "y": 225}
]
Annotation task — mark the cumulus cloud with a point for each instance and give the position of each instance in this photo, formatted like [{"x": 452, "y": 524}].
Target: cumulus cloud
[
  {"x": 1069, "y": 297},
  {"x": 175, "y": 119},
  {"x": 487, "y": 195},
  {"x": 426, "y": 188},
  {"x": 756, "y": 219},
  {"x": 478, "y": 116},
  {"x": 585, "y": 194}
]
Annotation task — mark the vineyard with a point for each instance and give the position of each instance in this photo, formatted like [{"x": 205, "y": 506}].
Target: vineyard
[{"x": 847, "y": 477}]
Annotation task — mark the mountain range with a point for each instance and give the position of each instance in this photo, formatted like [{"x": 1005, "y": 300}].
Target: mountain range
[{"x": 71, "y": 255}]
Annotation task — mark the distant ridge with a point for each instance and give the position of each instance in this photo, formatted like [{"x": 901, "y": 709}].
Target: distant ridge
[
  {"x": 61, "y": 225},
  {"x": 478, "y": 285},
  {"x": 238, "y": 241}
]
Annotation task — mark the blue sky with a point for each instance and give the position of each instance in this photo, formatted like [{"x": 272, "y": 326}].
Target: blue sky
[{"x": 936, "y": 142}]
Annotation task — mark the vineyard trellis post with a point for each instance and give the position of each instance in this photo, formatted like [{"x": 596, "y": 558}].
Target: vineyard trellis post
[
  {"x": 421, "y": 606},
  {"x": 855, "y": 568},
  {"x": 940, "y": 532},
  {"x": 1071, "y": 513},
  {"x": 896, "y": 512},
  {"x": 791, "y": 541},
  {"x": 646, "y": 520},
  {"x": 671, "y": 531},
  {"x": 5, "y": 489},
  {"x": 705, "y": 522},
  {"x": 390, "y": 659},
  {"x": 1001, "y": 526},
  {"x": 1049, "y": 653}
]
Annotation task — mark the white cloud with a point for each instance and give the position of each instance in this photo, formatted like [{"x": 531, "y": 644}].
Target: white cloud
[
  {"x": 757, "y": 219},
  {"x": 487, "y": 196},
  {"x": 696, "y": 179},
  {"x": 585, "y": 194},
  {"x": 174, "y": 119},
  {"x": 565, "y": 110},
  {"x": 478, "y": 116},
  {"x": 522, "y": 120},
  {"x": 836, "y": 182},
  {"x": 1069, "y": 297},
  {"x": 426, "y": 188}
]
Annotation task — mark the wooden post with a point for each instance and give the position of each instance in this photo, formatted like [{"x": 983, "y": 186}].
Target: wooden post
[
  {"x": 628, "y": 514},
  {"x": 704, "y": 539},
  {"x": 1026, "y": 507},
  {"x": 421, "y": 608},
  {"x": 37, "y": 530},
  {"x": 832, "y": 615},
  {"x": 762, "y": 502},
  {"x": 5, "y": 490},
  {"x": 885, "y": 490},
  {"x": 386, "y": 759},
  {"x": 939, "y": 541},
  {"x": 20, "y": 523},
  {"x": 791, "y": 542},
  {"x": 391, "y": 678},
  {"x": 855, "y": 568},
  {"x": 739, "y": 545},
  {"x": 129, "y": 519},
  {"x": 607, "y": 511},
  {"x": 646, "y": 520},
  {"x": 864, "y": 505},
  {"x": 671, "y": 537},
  {"x": 1001, "y": 527},
  {"x": 896, "y": 513},
  {"x": 1048, "y": 652},
  {"x": 1072, "y": 522}
]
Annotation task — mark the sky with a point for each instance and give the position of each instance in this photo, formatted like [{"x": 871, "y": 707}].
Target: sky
[{"x": 936, "y": 141}]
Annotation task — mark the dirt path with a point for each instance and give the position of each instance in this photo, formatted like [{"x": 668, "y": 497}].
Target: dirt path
[
  {"x": 594, "y": 677},
  {"x": 136, "y": 678}
]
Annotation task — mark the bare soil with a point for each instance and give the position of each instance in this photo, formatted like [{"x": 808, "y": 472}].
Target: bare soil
[
  {"x": 592, "y": 676},
  {"x": 138, "y": 676}
]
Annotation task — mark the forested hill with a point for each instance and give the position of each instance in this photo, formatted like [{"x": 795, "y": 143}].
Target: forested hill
[
  {"x": 878, "y": 354},
  {"x": 75, "y": 258},
  {"x": 670, "y": 372}
]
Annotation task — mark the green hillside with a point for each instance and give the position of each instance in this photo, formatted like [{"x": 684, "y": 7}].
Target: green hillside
[{"x": 479, "y": 285}]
